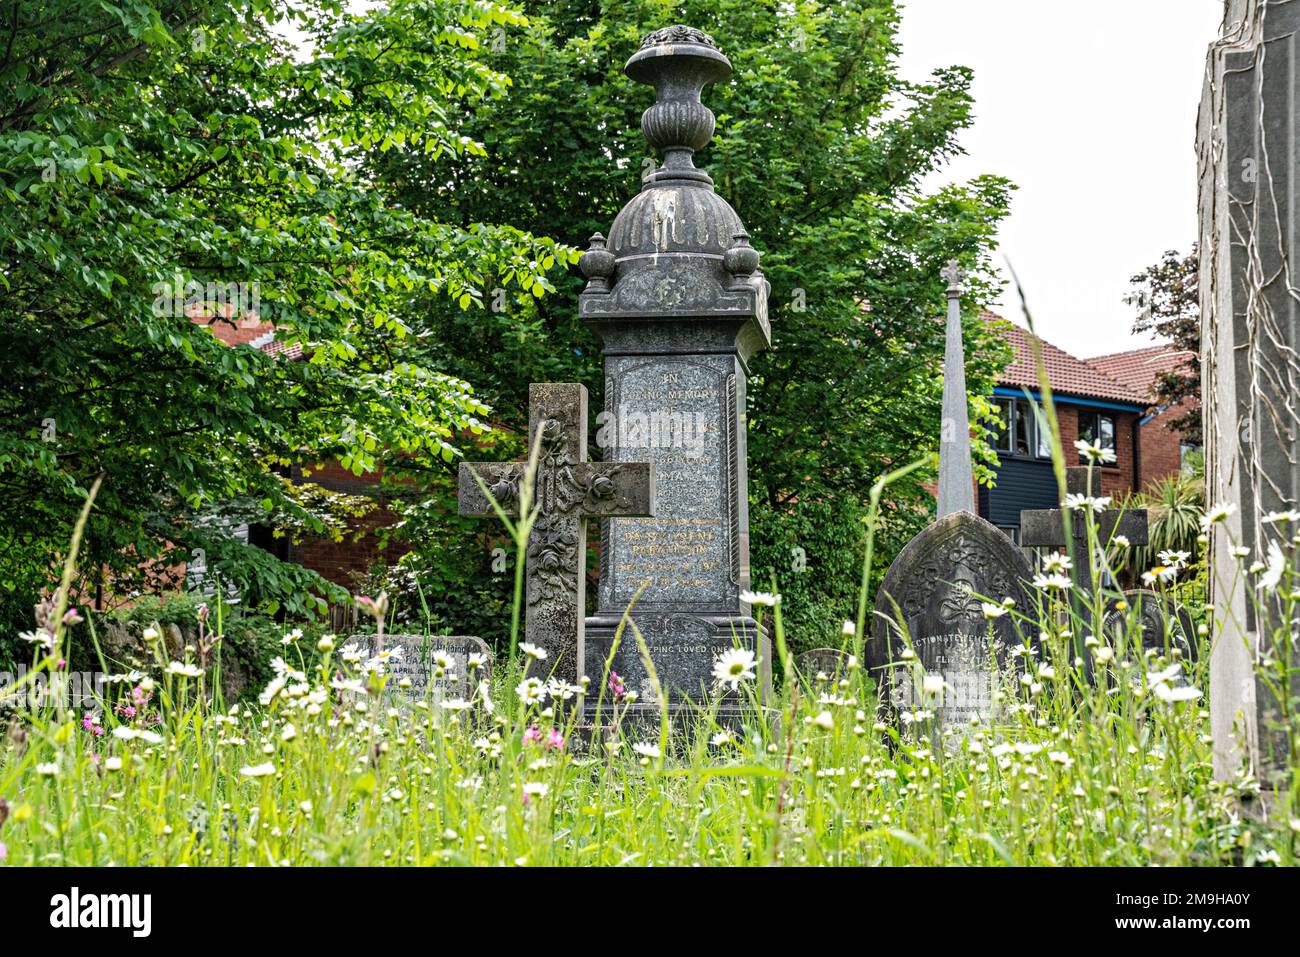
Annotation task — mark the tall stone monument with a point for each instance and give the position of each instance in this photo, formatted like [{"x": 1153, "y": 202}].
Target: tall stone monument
[
  {"x": 678, "y": 301},
  {"x": 1248, "y": 146}
]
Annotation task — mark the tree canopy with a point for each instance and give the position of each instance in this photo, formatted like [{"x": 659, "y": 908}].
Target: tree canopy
[{"x": 169, "y": 166}]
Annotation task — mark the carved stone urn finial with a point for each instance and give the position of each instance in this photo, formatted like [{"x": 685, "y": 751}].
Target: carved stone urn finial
[
  {"x": 678, "y": 61},
  {"x": 597, "y": 264},
  {"x": 740, "y": 259}
]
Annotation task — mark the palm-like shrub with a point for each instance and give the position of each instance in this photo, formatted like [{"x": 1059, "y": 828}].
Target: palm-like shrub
[{"x": 1175, "y": 506}]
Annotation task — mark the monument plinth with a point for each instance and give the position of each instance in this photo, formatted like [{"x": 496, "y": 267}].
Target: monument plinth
[{"x": 676, "y": 296}]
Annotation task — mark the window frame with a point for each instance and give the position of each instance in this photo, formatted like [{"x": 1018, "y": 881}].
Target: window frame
[
  {"x": 1009, "y": 407},
  {"x": 1094, "y": 417}
]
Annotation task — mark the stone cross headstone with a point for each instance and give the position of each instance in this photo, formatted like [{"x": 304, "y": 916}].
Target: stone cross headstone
[
  {"x": 934, "y": 592},
  {"x": 678, "y": 301},
  {"x": 1046, "y": 527},
  {"x": 956, "y": 483},
  {"x": 437, "y": 667},
  {"x": 1248, "y": 144},
  {"x": 568, "y": 490}
]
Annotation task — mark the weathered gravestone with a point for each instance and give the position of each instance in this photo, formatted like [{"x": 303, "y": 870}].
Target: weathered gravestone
[
  {"x": 438, "y": 667},
  {"x": 568, "y": 490},
  {"x": 933, "y": 593},
  {"x": 1248, "y": 143},
  {"x": 680, "y": 306},
  {"x": 822, "y": 661},
  {"x": 935, "y": 589},
  {"x": 1161, "y": 623}
]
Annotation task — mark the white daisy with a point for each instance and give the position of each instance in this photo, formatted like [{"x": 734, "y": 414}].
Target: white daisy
[
  {"x": 1184, "y": 693},
  {"x": 258, "y": 770},
  {"x": 646, "y": 749},
  {"x": 531, "y": 691},
  {"x": 760, "y": 598},
  {"x": 733, "y": 666},
  {"x": 532, "y": 651},
  {"x": 1052, "y": 582},
  {"x": 1057, "y": 562},
  {"x": 1272, "y": 575},
  {"x": 1094, "y": 452}
]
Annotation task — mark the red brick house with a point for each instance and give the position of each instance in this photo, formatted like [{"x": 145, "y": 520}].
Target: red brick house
[
  {"x": 1164, "y": 449},
  {"x": 1108, "y": 400}
]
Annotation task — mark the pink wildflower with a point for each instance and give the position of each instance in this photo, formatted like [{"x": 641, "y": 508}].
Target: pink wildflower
[
  {"x": 554, "y": 740},
  {"x": 532, "y": 734},
  {"x": 617, "y": 687}
]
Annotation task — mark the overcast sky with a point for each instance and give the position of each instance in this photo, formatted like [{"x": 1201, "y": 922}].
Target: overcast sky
[{"x": 1090, "y": 109}]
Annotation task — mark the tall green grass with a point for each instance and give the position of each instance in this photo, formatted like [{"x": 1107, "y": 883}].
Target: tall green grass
[{"x": 1098, "y": 754}]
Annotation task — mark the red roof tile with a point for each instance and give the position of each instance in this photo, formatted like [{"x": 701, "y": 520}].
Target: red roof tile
[
  {"x": 1137, "y": 369},
  {"x": 1067, "y": 374}
]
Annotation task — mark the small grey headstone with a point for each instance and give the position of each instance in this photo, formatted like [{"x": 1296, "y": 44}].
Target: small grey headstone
[
  {"x": 420, "y": 661},
  {"x": 828, "y": 661}
]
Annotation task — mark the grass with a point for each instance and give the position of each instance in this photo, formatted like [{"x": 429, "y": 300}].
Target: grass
[{"x": 1099, "y": 755}]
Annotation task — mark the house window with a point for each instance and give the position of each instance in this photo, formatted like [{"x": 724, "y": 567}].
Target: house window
[
  {"x": 1019, "y": 433},
  {"x": 1097, "y": 427}
]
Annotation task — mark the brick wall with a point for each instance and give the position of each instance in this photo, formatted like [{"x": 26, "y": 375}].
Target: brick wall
[
  {"x": 345, "y": 562},
  {"x": 1161, "y": 446}
]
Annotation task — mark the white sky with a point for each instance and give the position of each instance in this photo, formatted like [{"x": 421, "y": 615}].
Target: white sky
[{"x": 1090, "y": 109}]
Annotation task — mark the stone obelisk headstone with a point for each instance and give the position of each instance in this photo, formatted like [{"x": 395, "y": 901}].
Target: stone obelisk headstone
[
  {"x": 679, "y": 303},
  {"x": 1248, "y": 143},
  {"x": 568, "y": 490},
  {"x": 956, "y": 483},
  {"x": 931, "y": 600}
]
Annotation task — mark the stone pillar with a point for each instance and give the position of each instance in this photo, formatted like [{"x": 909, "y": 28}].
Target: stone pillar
[
  {"x": 1249, "y": 169},
  {"x": 677, "y": 299}
]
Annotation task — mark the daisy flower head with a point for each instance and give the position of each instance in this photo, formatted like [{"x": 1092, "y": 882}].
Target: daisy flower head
[
  {"x": 531, "y": 691},
  {"x": 1057, "y": 562},
  {"x": 1173, "y": 695},
  {"x": 535, "y": 652},
  {"x": 1094, "y": 452},
  {"x": 1052, "y": 582},
  {"x": 733, "y": 666},
  {"x": 824, "y": 720},
  {"x": 760, "y": 598},
  {"x": 1273, "y": 518},
  {"x": 1174, "y": 558},
  {"x": 1215, "y": 515}
]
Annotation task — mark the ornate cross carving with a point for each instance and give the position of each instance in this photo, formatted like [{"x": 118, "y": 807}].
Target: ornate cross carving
[
  {"x": 954, "y": 276},
  {"x": 568, "y": 490}
]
